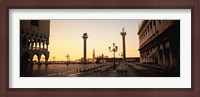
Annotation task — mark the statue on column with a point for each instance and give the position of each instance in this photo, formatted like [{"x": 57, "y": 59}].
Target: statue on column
[
  {"x": 84, "y": 47},
  {"x": 84, "y": 34}
]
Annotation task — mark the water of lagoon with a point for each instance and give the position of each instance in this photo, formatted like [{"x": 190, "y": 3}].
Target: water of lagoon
[{"x": 44, "y": 70}]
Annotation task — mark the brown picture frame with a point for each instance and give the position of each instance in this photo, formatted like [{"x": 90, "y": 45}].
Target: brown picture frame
[{"x": 99, "y": 4}]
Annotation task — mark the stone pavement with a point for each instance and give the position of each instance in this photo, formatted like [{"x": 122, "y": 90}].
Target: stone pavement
[{"x": 92, "y": 70}]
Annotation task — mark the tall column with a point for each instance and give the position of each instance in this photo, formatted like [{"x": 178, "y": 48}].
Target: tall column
[
  {"x": 39, "y": 57},
  {"x": 47, "y": 47},
  {"x": 123, "y": 33},
  {"x": 171, "y": 56},
  {"x": 32, "y": 43},
  {"x": 35, "y": 45},
  {"x": 163, "y": 56},
  {"x": 158, "y": 55},
  {"x": 47, "y": 43},
  {"x": 46, "y": 59},
  {"x": 43, "y": 45},
  {"x": 39, "y": 45},
  {"x": 85, "y": 36}
]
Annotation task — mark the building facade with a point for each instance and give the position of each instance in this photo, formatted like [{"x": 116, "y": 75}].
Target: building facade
[
  {"x": 34, "y": 40},
  {"x": 159, "y": 42}
]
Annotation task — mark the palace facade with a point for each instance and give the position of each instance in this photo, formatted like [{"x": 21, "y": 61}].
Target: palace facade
[
  {"x": 34, "y": 40},
  {"x": 159, "y": 42}
]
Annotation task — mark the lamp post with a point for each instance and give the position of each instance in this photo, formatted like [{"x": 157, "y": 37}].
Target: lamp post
[
  {"x": 114, "y": 49},
  {"x": 53, "y": 59},
  {"x": 67, "y": 56},
  {"x": 120, "y": 55}
]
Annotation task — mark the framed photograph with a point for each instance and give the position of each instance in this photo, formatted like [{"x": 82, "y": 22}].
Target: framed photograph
[{"x": 105, "y": 48}]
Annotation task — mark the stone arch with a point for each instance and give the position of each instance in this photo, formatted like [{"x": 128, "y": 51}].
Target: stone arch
[
  {"x": 43, "y": 58},
  {"x": 38, "y": 58},
  {"x": 46, "y": 54},
  {"x": 35, "y": 58}
]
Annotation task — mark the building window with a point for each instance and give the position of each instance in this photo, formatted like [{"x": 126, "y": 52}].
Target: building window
[{"x": 35, "y": 22}]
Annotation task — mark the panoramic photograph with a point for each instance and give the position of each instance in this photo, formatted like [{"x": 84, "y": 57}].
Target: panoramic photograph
[{"x": 99, "y": 48}]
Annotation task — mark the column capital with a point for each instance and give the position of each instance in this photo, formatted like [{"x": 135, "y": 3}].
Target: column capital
[
  {"x": 84, "y": 37},
  {"x": 123, "y": 34}
]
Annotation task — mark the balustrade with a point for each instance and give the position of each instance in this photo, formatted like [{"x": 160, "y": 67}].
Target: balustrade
[{"x": 41, "y": 49}]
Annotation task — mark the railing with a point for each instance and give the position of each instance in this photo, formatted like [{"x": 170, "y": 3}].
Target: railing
[{"x": 41, "y": 49}]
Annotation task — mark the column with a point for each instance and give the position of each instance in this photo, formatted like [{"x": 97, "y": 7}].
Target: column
[
  {"x": 39, "y": 56},
  {"x": 43, "y": 45},
  {"x": 123, "y": 34},
  {"x": 47, "y": 47},
  {"x": 84, "y": 47},
  {"x": 171, "y": 56},
  {"x": 36, "y": 45},
  {"x": 163, "y": 56},
  {"x": 31, "y": 45},
  {"x": 47, "y": 43},
  {"x": 158, "y": 55},
  {"x": 39, "y": 45},
  {"x": 46, "y": 59}
]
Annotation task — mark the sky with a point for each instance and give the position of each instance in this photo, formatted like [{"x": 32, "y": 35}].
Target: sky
[{"x": 66, "y": 37}]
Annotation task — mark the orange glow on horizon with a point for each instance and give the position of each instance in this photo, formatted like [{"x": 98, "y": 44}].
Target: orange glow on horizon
[{"x": 66, "y": 38}]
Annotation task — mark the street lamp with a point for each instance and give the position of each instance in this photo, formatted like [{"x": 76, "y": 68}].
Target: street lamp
[
  {"x": 53, "y": 59},
  {"x": 114, "y": 49},
  {"x": 67, "y": 56},
  {"x": 120, "y": 55}
]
